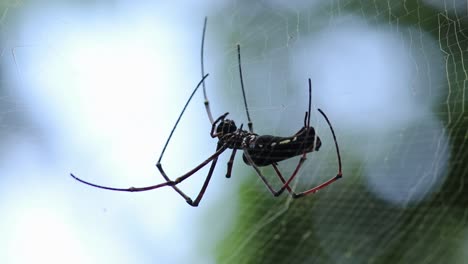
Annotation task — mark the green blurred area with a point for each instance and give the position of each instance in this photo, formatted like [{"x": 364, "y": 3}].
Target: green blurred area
[
  {"x": 355, "y": 225},
  {"x": 347, "y": 223}
]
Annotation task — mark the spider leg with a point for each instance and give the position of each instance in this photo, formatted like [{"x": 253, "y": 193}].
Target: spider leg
[
  {"x": 168, "y": 182},
  {"x": 213, "y": 126},
  {"x": 285, "y": 183},
  {"x": 213, "y": 158},
  {"x": 180, "y": 116},
  {"x": 315, "y": 189},
  {"x": 207, "y": 102},
  {"x": 304, "y": 193},
  {"x": 205, "y": 184},
  {"x": 158, "y": 164},
  {"x": 230, "y": 163},
  {"x": 321, "y": 186},
  {"x": 304, "y": 154},
  {"x": 262, "y": 177},
  {"x": 250, "y": 124},
  {"x": 130, "y": 189},
  {"x": 338, "y": 176},
  {"x": 301, "y": 162},
  {"x": 330, "y": 181}
]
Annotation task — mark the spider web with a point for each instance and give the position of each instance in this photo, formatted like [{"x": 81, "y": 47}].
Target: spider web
[
  {"x": 390, "y": 75},
  {"x": 392, "y": 78}
]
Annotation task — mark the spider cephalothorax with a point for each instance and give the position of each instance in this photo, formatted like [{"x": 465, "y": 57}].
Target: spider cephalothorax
[{"x": 226, "y": 126}]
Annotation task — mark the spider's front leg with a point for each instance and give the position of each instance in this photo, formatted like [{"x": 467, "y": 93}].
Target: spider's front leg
[
  {"x": 215, "y": 126},
  {"x": 213, "y": 159}
]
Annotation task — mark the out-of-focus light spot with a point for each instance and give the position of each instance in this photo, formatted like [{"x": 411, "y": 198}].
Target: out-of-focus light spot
[
  {"x": 364, "y": 75},
  {"x": 41, "y": 235},
  {"x": 373, "y": 83},
  {"x": 106, "y": 94},
  {"x": 406, "y": 173}
]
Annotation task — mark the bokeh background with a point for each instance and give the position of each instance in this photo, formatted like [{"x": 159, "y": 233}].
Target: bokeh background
[{"x": 94, "y": 88}]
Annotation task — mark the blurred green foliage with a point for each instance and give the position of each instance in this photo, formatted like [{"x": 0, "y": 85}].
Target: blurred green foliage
[{"x": 347, "y": 224}]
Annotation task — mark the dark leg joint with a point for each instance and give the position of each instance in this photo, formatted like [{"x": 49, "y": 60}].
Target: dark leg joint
[
  {"x": 171, "y": 183},
  {"x": 176, "y": 181},
  {"x": 279, "y": 192},
  {"x": 295, "y": 196},
  {"x": 191, "y": 203}
]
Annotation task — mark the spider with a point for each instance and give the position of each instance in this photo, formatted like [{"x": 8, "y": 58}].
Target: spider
[{"x": 258, "y": 150}]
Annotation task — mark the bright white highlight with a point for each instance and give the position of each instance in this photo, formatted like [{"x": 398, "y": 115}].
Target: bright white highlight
[{"x": 368, "y": 82}]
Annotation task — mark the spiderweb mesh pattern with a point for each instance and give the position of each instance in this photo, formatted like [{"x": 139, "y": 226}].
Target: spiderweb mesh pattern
[{"x": 390, "y": 75}]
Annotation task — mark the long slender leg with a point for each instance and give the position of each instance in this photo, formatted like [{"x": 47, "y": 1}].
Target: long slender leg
[
  {"x": 336, "y": 142},
  {"x": 259, "y": 173},
  {"x": 207, "y": 102},
  {"x": 286, "y": 183},
  {"x": 190, "y": 173},
  {"x": 219, "y": 149},
  {"x": 205, "y": 184},
  {"x": 168, "y": 182},
  {"x": 338, "y": 176},
  {"x": 317, "y": 188},
  {"x": 214, "y": 159},
  {"x": 180, "y": 116},
  {"x": 131, "y": 189},
  {"x": 158, "y": 164},
  {"x": 304, "y": 153},
  {"x": 250, "y": 124},
  {"x": 281, "y": 177},
  {"x": 301, "y": 161},
  {"x": 265, "y": 181}
]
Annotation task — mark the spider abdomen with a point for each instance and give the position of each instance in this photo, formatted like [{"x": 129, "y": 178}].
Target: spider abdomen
[{"x": 266, "y": 150}]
